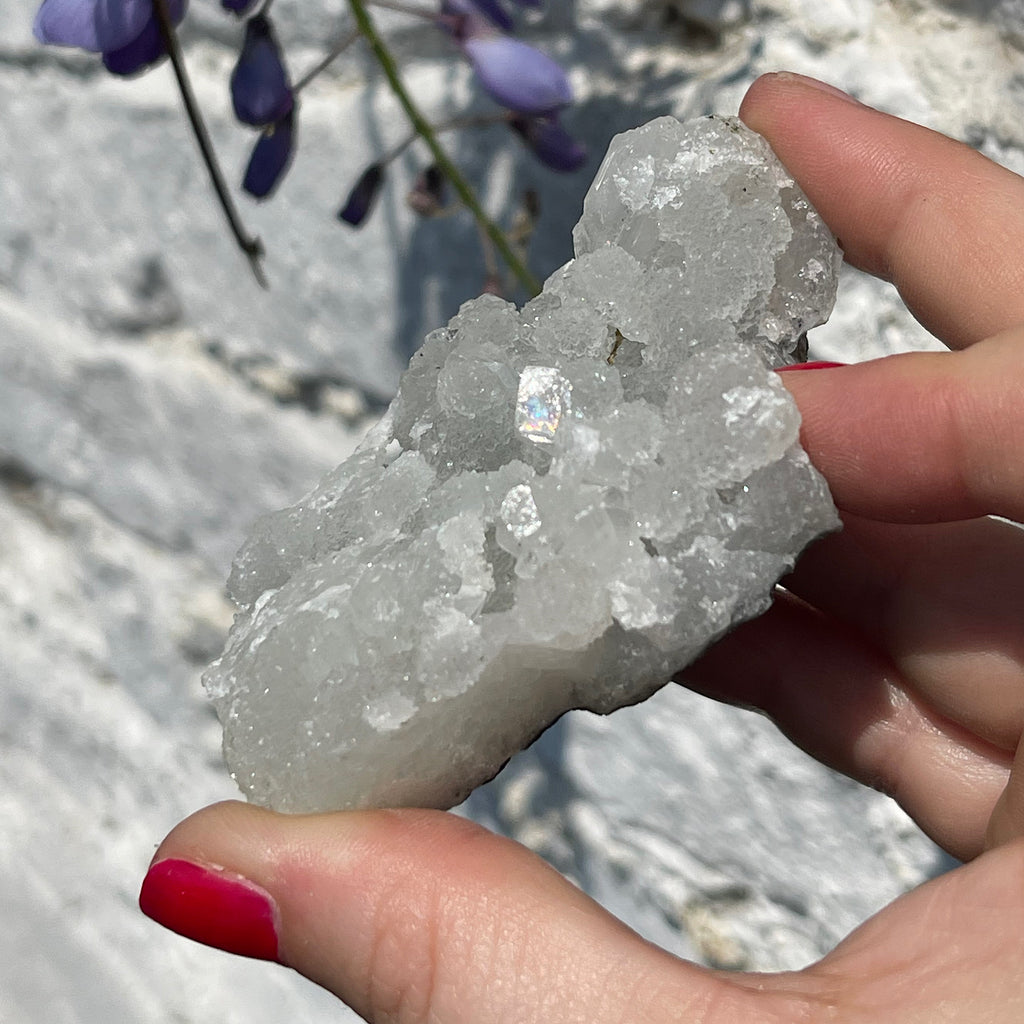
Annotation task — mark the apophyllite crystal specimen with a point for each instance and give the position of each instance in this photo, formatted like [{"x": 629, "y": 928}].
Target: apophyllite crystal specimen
[{"x": 563, "y": 505}]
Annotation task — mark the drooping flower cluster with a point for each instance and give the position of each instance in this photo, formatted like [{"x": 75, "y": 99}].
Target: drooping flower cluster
[
  {"x": 262, "y": 97},
  {"x": 133, "y": 35}
]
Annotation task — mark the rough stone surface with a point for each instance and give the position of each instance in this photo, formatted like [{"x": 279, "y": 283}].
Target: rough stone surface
[
  {"x": 697, "y": 824},
  {"x": 561, "y": 507}
]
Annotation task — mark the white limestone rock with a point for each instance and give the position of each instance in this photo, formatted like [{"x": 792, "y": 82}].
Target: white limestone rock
[{"x": 562, "y": 506}]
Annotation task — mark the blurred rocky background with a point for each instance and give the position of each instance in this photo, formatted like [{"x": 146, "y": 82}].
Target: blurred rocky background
[{"x": 153, "y": 402}]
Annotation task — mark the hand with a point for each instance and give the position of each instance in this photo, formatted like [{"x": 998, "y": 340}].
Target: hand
[{"x": 896, "y": 655}]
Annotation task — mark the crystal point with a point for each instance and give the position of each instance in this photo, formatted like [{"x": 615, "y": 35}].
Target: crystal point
[{"x": 563, "y": 506}]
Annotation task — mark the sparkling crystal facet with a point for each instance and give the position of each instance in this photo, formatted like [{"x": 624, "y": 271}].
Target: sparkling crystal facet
[
  {"x": 542, "y": 401},
  {"x": 519, "y": 511}
]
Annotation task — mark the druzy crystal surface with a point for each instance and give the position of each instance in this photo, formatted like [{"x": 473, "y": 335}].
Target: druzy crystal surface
[{"x": 563, "y": 505}]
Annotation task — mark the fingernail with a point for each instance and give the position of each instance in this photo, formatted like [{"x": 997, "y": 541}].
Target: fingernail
[
  {"x": 818, "y": 365},
  {"x": 211, "y": 906},
  {"x": 814, "y": 83}
]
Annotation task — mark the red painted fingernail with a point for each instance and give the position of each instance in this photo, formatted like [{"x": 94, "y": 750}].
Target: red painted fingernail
[
  {"x": 819, "y": 365},
  {"x": 214, "y": 907},
  {"x": 817, "y": 85}
]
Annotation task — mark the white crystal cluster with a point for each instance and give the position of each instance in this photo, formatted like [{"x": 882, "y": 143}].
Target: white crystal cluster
[{"x": 563, "y": 505}]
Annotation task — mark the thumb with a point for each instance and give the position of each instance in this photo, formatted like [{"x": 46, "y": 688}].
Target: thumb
[
  {"x": 415, "y": 916},
  {"x": 920, "y": 437}
]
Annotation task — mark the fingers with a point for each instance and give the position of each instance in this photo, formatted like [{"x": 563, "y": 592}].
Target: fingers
[
  {"x": 942, "y": 222},
  {"x": 952, "y": 949},
  {"x": 847, "y": 705},
  {"x": 897, "y": 658},
  {"x": 1007, "y": 821},
  {"x": 915, "y": 439},
  {"x": 945, "y": 602},
  {"x": 920, "y": 437},
  {"x": 413, "y": 916}
]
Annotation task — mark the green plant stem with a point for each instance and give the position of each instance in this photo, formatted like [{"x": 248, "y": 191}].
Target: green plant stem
[
  {"x": 250, "y": 245},
  {"x": 451, "y": 172},
  {"x": 454, "y": 124}
]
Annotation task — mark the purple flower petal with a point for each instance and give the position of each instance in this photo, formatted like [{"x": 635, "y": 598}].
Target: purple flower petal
[
  {"x": 147, "y": 48},
  {"x": 497, "y": 13},
  {"x": 271, "y": 157},
  {"x": 95, "y": 25},
  {"x": 518, "y": 76},
  {"x": 260, "y": 90},
  {"x": 363, "y": 195},
  {"x": 550, "y": 142}
]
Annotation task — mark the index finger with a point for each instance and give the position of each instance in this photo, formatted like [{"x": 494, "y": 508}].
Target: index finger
[{"x": 942, "y": 222}]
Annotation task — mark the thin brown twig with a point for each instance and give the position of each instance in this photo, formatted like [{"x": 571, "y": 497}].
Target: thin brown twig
[
  {"x": 329, "y": 58},
  {"x": 250, "y": 245}
]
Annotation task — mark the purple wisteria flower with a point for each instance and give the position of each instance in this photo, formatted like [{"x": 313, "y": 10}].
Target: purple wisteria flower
[
  {"x": 131, "y": 35},
  {"x": 492, "y": 9},
  {"x": 239, "y": 7},
  {"x": 94, "y": 25},
  {"x": 364, "y": 194},
  {"x": 518, "y": 76},
  {"x": 512, "y": 72},
  {"x": 553, "y": 146},
  {"x": 261, "y": 94},
  {"x": 271, "y": 157},
  {"x": 126, "y": 32},
  {"x": 260, "y": 90},
  {"x": 456, "y": 12}
]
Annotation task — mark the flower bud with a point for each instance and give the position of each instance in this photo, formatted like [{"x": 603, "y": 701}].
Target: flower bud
[
  {"x": 518, "y": 76},
  {"x": 271, "y": 157},
  {"x": 550, "y": 142},
  {"x": 363, "y": 195},
  {"x": 260, "y": 90}
]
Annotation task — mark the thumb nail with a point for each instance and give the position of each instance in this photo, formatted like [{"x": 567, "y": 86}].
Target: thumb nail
[
  {"x": 818, "y": 86},
  {"x": 818, "y": 365},
  {"x": 212, "y": 906}
]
